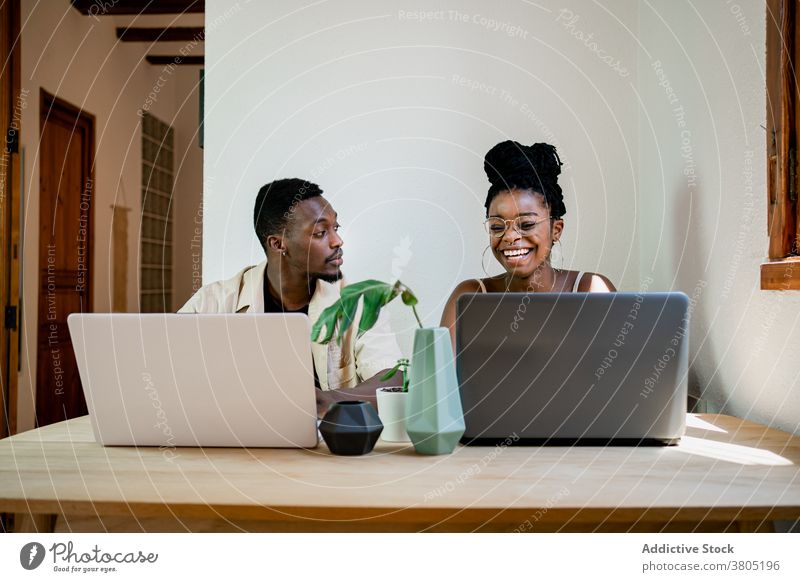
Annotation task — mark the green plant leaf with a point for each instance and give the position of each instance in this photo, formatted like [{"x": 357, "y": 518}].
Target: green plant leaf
[
  {"x": 362, "y": 287},
  {"x": 374, "y": 300},
  {"x": 374, "y": 295},
  {"x": 348, "y": 306},
  {"x": 327, "y": 321},
  {"x": 391, "y": 372},
  {"x": 408, "y": 297}
]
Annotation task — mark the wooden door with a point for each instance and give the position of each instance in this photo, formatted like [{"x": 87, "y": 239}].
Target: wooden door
[{"x": 66, "y": 192}]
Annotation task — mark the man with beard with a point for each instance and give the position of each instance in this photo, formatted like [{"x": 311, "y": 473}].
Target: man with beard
[{"x": 299, "y": 231}]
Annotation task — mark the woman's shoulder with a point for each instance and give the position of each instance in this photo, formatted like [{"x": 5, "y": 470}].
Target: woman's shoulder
[
  {"x": 469, "y": 286},
  {"x": 591, "y": 282},
  {"x": 487, "y": 284}
]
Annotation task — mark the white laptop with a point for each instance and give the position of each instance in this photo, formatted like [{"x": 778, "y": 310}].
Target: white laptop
[{"x": 172, "y": 380}]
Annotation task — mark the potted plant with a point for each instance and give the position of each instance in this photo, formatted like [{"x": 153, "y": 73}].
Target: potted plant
[
  {"x": 435, "y": 420},
  {"x": 392, "y": 404}
]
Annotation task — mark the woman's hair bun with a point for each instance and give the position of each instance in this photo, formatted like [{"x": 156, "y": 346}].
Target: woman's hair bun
[
  {"x": 545, "y": 159},
  {"x": 509, "y": 161},
  {"x": 510, "y": 165}
]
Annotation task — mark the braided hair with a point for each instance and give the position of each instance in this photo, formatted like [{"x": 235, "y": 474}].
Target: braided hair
[{"x": 510, "y": 165}]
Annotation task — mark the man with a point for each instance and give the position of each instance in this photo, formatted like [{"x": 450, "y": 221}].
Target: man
[{"x": 299, "y": 232}]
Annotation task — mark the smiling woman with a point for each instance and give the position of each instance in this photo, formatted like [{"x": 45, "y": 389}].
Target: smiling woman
[{"x": 524, "y": 219}]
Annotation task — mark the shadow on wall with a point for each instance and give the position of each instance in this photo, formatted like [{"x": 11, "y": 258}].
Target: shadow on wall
[{"x": 689, "y": 263}]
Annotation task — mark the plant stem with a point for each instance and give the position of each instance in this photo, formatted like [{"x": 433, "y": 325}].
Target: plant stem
[{"x": 414, "y": 309}]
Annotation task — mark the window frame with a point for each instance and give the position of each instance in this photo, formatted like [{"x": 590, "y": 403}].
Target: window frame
[{"x": 782, "y": 269}]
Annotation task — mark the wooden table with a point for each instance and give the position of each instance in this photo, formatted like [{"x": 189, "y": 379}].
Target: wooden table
[{"x": 726, "y": 475}]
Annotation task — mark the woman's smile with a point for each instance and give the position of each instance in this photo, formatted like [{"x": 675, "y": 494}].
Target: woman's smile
[{"x": 516, "y": 255}]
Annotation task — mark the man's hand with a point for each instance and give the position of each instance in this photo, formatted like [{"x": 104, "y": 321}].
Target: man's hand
[{"x": 364, "y": 391}]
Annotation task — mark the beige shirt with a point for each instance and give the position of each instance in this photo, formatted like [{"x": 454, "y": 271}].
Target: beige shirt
[{"x": 338, "y": 366}]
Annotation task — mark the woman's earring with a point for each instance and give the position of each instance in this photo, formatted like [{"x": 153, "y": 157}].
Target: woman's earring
[
  {"x": 550, "y": 260},
  {"x": 560, "y": 255},
  {"x": 482, "y": 257}
]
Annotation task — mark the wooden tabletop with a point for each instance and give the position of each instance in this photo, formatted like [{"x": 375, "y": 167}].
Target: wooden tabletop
[{"x": 725, "y": 471}]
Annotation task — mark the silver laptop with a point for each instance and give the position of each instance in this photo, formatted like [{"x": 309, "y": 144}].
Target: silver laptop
[
  {"x": 172, "y": 380},
  {"x": 573, "y": 368}
]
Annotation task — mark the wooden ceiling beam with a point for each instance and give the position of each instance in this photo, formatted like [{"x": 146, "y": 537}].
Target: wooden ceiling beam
[
  {"x": 179, "y": 33},
  {"x": 174, "y": 60},
  {"x": 130, "y": 7}
]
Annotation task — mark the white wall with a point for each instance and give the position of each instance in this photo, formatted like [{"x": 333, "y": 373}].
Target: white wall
[
  {"x": 710, "y": 235},
  {"x": 378, "y": 107},
  {"x": 78, "y": 59},
  {"x": 367, "y": 101}
]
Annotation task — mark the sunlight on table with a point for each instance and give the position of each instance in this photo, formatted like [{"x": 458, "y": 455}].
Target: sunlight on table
[
  {"x": 693, "y": 421},
  {"x": 730, "y": 452}
]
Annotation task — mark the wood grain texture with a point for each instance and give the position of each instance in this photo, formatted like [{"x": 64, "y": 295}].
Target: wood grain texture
[
  {"x": 14, "y": 67},
  {"x": 781, "y": 89},
  {"x": 724, "y": 473},
  {"x": 12, "y": 102},
  {"x": 164, "y": 34},
  {"x": 174, "y": 60},
  {"x": 6, "y": 97},
  {"x": 95, "y": 8},
  {"x": 66, "y": 252},
  {"x": 781, "y": 275},
  {"x": 35, "y": 523}
]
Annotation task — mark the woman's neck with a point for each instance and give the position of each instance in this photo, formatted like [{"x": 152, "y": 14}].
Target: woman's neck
[{"x": 543, "y": 280}]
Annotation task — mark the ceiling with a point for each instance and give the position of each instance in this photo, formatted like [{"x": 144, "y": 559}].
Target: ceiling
[{"x": 168, "y": 28}]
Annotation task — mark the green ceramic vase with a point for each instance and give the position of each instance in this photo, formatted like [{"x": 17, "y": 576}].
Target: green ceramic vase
[{"x": 435, "y": 420}]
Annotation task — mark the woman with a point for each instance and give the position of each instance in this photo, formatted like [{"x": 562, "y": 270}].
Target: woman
[{"x": 524, "y": 210}]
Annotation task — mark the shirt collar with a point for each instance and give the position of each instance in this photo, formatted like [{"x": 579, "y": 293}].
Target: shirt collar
[
  {"x": 251, "y": 292},
  {"x": 251, "y": 289}
]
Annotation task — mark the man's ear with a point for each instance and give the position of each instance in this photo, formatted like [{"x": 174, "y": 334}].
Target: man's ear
[{"x": 275, "y": 243}]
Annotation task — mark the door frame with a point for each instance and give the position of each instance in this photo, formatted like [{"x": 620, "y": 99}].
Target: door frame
[{"x": 11, "y": 103}]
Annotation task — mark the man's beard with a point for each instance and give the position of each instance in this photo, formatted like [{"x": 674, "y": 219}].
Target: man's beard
[{"x": 327, "y": 277}]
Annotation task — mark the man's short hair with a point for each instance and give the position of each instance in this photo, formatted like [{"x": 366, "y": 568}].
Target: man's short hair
[{"x": 276, "y": 202}]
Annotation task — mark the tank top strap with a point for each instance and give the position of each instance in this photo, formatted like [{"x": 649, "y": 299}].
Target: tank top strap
[
  {"x": 577, "y": 281},
  {"x": 481, "y": 285}
]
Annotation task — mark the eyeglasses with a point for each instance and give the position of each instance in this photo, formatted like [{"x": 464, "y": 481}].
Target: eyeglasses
[{"x": 524, "y": 225}]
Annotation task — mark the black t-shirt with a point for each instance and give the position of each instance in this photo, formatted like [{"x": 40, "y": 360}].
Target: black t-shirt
[{"x": 271, "y": 305}]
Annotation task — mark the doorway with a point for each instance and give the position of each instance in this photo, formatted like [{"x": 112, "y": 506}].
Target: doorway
[{"x": 66, "y": 192}]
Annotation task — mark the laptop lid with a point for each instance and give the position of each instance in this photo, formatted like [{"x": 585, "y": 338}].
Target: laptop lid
[
  {"x": 605, "y": 366},
  {"x": 220, "y": 380}
]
